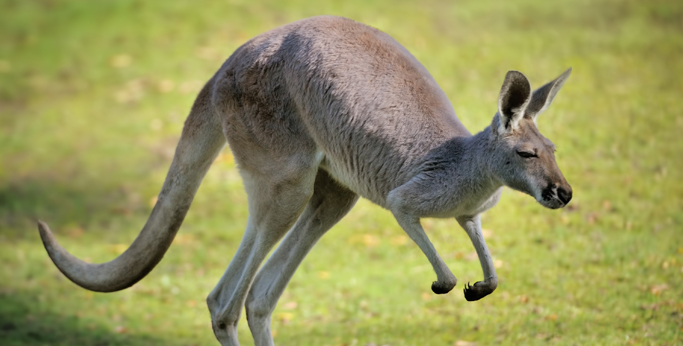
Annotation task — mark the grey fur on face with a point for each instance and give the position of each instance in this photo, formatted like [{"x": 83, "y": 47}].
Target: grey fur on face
[{"x": 317, "y": 114}]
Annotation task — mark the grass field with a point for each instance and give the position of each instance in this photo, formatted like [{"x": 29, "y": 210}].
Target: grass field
[{"x": 92, "y": 100}]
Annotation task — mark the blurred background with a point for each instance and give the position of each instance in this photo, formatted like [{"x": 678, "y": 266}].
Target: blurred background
[{"x": 93, "y": 96}]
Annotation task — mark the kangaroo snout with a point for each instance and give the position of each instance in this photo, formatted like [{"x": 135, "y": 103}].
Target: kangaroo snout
[
  {"x": 557, "y": 195},
  {"x": 564, "y": 194}
]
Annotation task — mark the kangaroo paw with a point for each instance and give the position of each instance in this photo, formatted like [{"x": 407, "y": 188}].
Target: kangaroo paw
[
  {"x": 479, "y": 290},
  {"x": 443, "y": 287}
]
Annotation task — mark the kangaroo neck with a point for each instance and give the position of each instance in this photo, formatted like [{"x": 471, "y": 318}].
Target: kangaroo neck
[
  {"x": 456, "y": 179},
  {"x": 475, "y": 161}
]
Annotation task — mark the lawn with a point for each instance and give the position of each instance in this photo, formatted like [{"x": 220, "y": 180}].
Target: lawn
[{"x": 93, "y": 96}]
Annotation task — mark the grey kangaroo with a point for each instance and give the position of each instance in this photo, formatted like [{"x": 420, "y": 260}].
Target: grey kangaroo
[{"x": 318, "y": 113}]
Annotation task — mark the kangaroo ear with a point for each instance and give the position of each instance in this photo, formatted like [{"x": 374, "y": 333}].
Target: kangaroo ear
[
  {"x": 543, "y": 96},
  {"x": 513, "y": 100}
]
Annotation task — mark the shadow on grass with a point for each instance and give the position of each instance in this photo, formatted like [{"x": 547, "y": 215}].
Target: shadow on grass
[
  {"x": 76, "y": 203},
  {"x": 22, "y": 322}
]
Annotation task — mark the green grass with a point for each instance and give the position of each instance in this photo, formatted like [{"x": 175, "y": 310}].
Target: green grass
[{"x": 92, "y": 100}]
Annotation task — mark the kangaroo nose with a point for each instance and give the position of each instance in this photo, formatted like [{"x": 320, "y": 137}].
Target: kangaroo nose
[{"x": 565, "y": 195}]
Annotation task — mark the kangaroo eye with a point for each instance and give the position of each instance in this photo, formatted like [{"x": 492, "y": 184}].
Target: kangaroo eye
[{"x": 527, "y": 154}]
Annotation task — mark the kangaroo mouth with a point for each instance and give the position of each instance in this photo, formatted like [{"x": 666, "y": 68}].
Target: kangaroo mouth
[{"x": 552, "y": 203}]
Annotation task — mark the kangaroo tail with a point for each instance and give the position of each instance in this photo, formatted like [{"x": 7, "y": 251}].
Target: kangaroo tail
[{"x": 200, "y": 143}]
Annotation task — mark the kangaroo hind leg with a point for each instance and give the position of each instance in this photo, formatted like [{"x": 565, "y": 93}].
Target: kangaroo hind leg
[
  {"x": 276, "y": 195},
  {"x": 329, "y": 203}
]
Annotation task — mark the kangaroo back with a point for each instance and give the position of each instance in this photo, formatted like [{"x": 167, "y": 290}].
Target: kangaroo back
[{"x": 370, "y": 107}]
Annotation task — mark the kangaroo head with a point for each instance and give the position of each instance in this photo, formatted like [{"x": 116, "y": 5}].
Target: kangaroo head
[{"x": 524, "y": 159}]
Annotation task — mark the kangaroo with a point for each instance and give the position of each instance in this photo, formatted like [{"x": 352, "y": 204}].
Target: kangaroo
[{"x": 317, "y": 113}]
